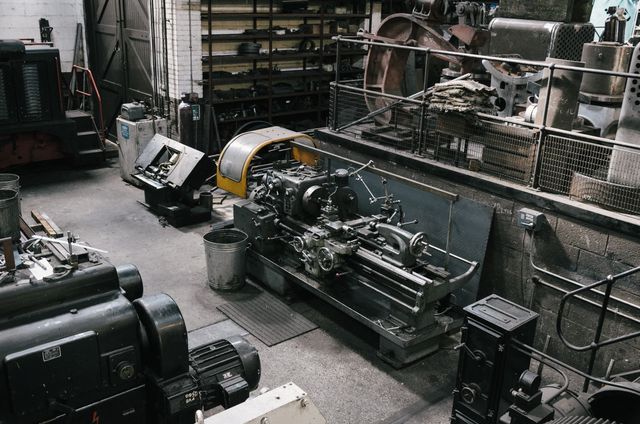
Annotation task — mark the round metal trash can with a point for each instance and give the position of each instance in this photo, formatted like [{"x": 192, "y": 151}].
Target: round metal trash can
[
  {"x": 225, "y": 252},
  {"x": 9, "y": 214},
  {"x": 11, "y": 182}
]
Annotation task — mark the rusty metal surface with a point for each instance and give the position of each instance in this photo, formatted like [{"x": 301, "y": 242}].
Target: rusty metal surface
[{"x": 385, "y": 67}]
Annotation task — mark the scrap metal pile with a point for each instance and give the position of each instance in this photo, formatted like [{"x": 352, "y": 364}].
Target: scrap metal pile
[{"x": 463, "y": 97}]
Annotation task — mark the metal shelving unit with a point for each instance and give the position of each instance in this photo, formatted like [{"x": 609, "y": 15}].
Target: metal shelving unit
[{"x": 248, "y": 92}]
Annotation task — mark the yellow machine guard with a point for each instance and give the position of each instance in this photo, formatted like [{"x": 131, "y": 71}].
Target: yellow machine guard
[{"x": 235, "y": 159}]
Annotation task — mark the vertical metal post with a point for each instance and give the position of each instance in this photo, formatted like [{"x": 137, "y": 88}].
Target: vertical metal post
[
  {"x": 598, "y": 334},
  {"x": 334, "y": 111},
  {"x": 423, "y": 109},
  {"x": 210, "y": 56},
  {"x": 165, "y": 49},
  {"x": 448, "y": 245},
  {"x": 543, "y": 130},
  {"x": 270, "y": 111}
]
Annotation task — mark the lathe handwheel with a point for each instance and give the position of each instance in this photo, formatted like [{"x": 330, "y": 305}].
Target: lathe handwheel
[
  {"x": 298, "y": 244},
  {"x": 418, "y": 244},
  {"x": 326, "y": 259}
]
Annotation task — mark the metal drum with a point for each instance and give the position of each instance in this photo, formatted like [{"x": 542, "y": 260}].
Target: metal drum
[
  {"x": 607, "y": 56},
  {"x": 9, "y": 214},
  {"x": 563, "y": 96},
  {"x": 11, "y": 182},
  {"x": 225, "y": 251}
]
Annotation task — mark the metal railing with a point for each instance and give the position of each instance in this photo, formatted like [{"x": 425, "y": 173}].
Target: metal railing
[
  {"x": 538, "y": 156},
  {"x": 86, "y": 76}
]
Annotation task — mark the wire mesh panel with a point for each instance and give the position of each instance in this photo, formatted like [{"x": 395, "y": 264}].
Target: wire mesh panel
[
  {"x": 465, "y": 140},
  {"x": 564, "y": 156},
  {"x": 455, "y": 123},
  {"x": 582, "y": 169},
  {"x": 375, "y": 117},
  {"x": 506, "y": 151}
]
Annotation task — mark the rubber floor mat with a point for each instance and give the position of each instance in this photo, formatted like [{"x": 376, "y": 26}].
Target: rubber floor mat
[{"x": 267, "y": 318}]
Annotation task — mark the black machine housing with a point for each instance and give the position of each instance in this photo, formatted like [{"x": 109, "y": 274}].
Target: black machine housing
[
  {"x": 87, "y": 348},
  {"x": 34, "y": 124},
  {"x": 170, "y": 172},
  {"x": 496, "y": 386}
]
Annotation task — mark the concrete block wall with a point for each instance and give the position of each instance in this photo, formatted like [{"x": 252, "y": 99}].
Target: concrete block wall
[
  {"x": 567, "y": 246},
  {"x": 19, "y": 19},
  {"x": 577, "y": 251}
]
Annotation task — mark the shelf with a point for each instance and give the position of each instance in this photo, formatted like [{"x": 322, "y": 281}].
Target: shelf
[
  {"x": 302, "y": 69},
  {"x": 237, "y": 58},
  {"x": 267, "y": 97},
  {"x": 273, "y": 115},
  {"x": 232, "y": 37},
  {"x": 277, "y": 76},
  {"x": 279, "y": 15}
]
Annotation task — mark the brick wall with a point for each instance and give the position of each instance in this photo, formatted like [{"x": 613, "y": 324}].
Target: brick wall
[
  {"x": 185, "y": 51},
  {"x": 184, "y": 67},
  {"x": 19, "y": 19},
  {"x": 567, "y": 246}
]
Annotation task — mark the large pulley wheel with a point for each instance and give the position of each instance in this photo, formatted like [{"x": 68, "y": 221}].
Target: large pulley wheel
[{"x": 385, "y": 67}]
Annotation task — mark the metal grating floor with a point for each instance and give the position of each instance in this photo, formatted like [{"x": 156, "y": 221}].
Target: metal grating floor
[{"x": 267, "y": 318}]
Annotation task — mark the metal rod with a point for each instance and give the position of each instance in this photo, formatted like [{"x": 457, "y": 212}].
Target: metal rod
[
  {"x": 165, "y": 48},
  {"x": 454, "y": 256},
  {"x": 448, "y": 244},
  {"x": 388, "y": 296},
  {"x": 425, "y": 187},
  {"x": 538, "y": 280},
  {"x": 51, "y": 240},
  {"x": 423, "y": 108},
  {"x": 532, "y": 352},
  {"x": 570, "y": 281},
  {"x": 597, "y": 139},
  {"x": 390, "y": 96},
  {"x": 356, "y": 40},
  {"x": 423, "y": 94},
  {"x": 609, "y": 280},
  {"x": 336, "y": 88},
  {"x": 596, "y": 338},
  {"x": 190, "y": 48},
  {"x": 537, "y": 164}
]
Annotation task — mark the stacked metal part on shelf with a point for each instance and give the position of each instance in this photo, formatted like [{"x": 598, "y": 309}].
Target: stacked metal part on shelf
[{"x": 565, "y": 108}]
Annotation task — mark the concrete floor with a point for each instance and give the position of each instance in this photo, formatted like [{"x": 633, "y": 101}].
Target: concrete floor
[{"x": 336, "y": 363}]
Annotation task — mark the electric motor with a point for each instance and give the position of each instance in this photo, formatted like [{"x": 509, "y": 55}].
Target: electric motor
[{"x": 87, "y": 348}]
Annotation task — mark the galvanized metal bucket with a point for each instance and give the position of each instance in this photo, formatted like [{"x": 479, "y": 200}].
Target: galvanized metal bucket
[
  {"x": 9, "y": 214},
  {"x": 225, "y": 252},
  {"x": 11, "y": 182}
]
